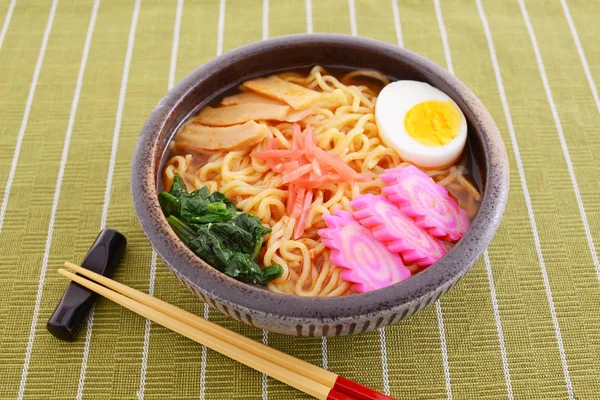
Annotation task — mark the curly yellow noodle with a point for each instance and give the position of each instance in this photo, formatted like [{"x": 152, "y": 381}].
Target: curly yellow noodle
[
  {"x": 176, "y": 165},
  {"x": 343, "y": 124}
]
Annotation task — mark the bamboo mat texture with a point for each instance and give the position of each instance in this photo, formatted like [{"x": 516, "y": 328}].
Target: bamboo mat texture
[{"x": 78, "y": 78}]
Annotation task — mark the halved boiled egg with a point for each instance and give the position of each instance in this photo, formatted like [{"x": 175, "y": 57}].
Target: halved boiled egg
[{"x": 422, "y": 123}]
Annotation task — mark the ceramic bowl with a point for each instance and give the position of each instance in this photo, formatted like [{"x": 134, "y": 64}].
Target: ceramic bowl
[{"x": 315, "y": 316}]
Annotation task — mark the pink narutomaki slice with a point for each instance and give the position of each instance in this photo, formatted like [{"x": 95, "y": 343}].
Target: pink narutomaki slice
[
  {"x": 366, "y": 261},
  {"x": 400, "y": 233},
  {"x": 419, "y": 197}
]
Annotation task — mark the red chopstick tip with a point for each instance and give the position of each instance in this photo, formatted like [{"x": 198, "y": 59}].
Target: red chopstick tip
[
  {"x": 335, "y": 395},
  {"x": 357, "y": 391}
]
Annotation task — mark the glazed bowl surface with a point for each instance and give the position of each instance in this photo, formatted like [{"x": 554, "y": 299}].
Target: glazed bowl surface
[{"x": 296, "y": 315}]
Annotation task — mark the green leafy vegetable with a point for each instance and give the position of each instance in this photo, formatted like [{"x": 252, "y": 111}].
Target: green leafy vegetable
[
  {"x": 244, "y": 233},
  {"x": 169, "y": 204},
  {"x": 215, "y": 230},
  {"x": 220, "y": 197},
  {"x": 251, "y": 223},
  {"x": 198, "y": 207},
  {"x": 233, "y": 237},
  {"x": 178, "y": 188}
]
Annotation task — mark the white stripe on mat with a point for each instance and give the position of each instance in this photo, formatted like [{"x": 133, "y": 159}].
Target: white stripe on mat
[
  {"x": 582, "y": 56},
  {"x": 221, "y": 27},
  {"x": 265, "y": 19},
  {"x": 111, "y": 169},
  {"x": 59, "y": 178},
  {"x": 265, "y": 381},
  {"x": 438, "y": 304},
  {"x": 397, "y": 24},
  {"x": 443, "y": 348},
  {"x": 324, "y": 357},
  {"x": 28, "y": 104},
  {"x": 590, "y": 79},
  {"x": 500, "y": 331},
  {"x": 444, "y": 35},
  {"x": 352, "y": 11},
  {"x": 309, "y": 18},
  {"x": 175, "y": 45},
  {"x": 170, "y": 83},
  {"x": 203, "y": 361},
  {"x": 146, "y": 347},
  {"x": 9, "y": 12},
  {"x": 384, "y": 361},
  {"x": 536, "y": 238}
]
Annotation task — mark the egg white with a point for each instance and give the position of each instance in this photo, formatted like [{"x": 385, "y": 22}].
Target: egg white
[{"x": 393, "y": 103}]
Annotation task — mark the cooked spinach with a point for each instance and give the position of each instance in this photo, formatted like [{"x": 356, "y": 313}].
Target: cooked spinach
[
  {"x": 198, "y": 207},
  {"x": 244, "y": 233},
  {"x": 216, "y": 231}
]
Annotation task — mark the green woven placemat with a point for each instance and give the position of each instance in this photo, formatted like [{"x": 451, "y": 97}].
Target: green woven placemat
[{"x": 78, "y": 79}]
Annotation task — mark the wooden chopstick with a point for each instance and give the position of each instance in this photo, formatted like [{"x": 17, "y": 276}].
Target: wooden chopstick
[
  {"x": 327, "y": 378},
  {"x": 269, "y": 368}
]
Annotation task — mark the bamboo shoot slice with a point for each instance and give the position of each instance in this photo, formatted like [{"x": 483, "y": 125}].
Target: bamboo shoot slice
[
  {"x": 198, "y": 137},
  {"x": 249, "y": 97},
  {"x": 241, "y": 113},
  {"x": 298, "y": 97}
]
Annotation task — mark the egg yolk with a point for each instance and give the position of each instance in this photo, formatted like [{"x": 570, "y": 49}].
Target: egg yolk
[{"x": 433, "y": 122}]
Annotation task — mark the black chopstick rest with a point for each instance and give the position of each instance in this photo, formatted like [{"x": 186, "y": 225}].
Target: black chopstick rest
[{"x": 76, "y": 303}]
